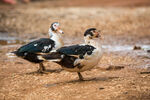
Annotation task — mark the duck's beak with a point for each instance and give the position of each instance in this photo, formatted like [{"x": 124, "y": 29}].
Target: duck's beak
[
  {"x": 60, "y": 31},
  {"x": 97, "y": 34}
]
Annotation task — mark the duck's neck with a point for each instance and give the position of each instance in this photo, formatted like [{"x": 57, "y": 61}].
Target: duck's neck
[
  {"x": 94, "y": 42},
  {"x": 57, "y": 38}
]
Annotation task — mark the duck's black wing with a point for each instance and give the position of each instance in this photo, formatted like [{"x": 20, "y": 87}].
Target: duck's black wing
[
  {"x": 31, "y": 50},
  {"x": 76, "y": 50},
  {"x": 43, "y": 45},
  {"x": 67, "y": 55}
]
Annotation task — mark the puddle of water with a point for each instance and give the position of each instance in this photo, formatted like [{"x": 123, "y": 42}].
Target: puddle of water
[
  {"x": 115, "y": 48},
  {"x": 6, "y": 39},
  {"x": 145, "y": 47},
  {"x": 10, "y": 41}
]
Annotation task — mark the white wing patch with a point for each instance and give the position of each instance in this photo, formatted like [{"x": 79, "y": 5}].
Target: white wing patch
[
  {"x": 25, "y": 53},
  {"x": 35, "y": 45},
  {"x": 46, "y": 48}
]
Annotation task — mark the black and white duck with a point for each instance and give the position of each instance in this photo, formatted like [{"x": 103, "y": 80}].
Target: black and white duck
[
  {"x": 80, "y": 57},
  {"x": 31, "y": 50}
]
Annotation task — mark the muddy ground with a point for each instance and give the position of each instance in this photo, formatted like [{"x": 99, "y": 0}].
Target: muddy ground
[{"x": 122, "y": 73}]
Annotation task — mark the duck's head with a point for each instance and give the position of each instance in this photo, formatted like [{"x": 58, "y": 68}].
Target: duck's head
[
  {"x": 92, "y": 33},
  {"x": 55, "y": 28}
]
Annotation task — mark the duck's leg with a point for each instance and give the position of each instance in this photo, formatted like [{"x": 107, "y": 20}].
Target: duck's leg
[
  {"x": 80, "y": 76},
  {"x": 41, "y": 68}
]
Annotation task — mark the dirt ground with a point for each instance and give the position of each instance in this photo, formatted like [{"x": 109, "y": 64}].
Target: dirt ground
[{"x": 122, "y": 73}]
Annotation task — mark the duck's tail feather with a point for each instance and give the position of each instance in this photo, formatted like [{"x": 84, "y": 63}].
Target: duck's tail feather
[
  {"x": 55, "y": 57},
  {"x": 12, "y": 54}
]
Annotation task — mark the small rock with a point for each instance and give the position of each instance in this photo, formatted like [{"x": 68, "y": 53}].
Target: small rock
[
  {"x": 126, "y": 92},
  {"x": 144, "y": 72},
  {"x": 148, "y": 51},
  {"x": 137, "y": 48},
  {"x": 101, "y": 88}
]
